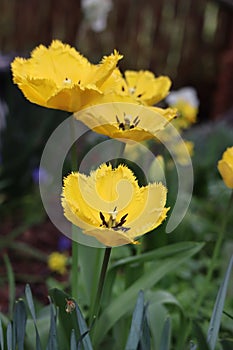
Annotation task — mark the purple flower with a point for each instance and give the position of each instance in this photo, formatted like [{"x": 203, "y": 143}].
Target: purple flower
[
  {"x": 64, "y": 243},
  {"x": 40, "y": 174}
]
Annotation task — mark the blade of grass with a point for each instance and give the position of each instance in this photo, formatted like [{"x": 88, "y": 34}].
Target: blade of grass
[
  {"x": 166, "y": 335},
  {"x": 84, "y": 331},
  {"x": 11, "y": 282},
  {"x": 20, "y": 319},
  {"x": 136, "y": 325},
  {"x": 73, "y": 344},
  {"x": 1, "y": 336},
  {"x": 218, "y": 309},
  {"x": 52, "y": 341},
  {"x": 9, "y": 336},
  {"x": 145, "y": 341},
  {"x": 160, "y": 253},
  {"x": 31, "y": 307}
]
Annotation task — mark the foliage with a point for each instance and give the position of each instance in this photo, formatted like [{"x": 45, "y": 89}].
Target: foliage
[{"x": 68, "y": 329}]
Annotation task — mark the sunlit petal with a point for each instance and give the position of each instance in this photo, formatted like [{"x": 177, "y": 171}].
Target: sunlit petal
[{"x": 110, "y": 205}]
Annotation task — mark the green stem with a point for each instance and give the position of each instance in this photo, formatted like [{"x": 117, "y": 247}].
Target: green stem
[
  {"x": 94, "y": 313},
  {"x": 97, "y": 303},
  {"x": 74, "y": 266},
  {"x": 74, "y": 270}
]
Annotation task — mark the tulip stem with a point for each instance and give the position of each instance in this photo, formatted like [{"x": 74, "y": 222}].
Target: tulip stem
[
  {"x": 74, "y": 266},
  {"x": 74, "y": 270},
  {"x": 101, "y": 284}
]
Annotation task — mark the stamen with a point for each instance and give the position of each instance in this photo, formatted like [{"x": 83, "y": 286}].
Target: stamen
[
  {"x": 112, "y": 223},
  {"x": 104, "y": 223},
  {"x": 67, "y": 81},
  {"x": 136, "y": 121},
  {"x": 132, "y": 90},
  {"x": 127, "y": 124}
]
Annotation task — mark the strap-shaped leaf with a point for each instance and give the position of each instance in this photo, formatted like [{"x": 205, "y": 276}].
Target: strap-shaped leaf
[
  {"x": 166, "y": 335},
  {"x": 11, "y": 282},
  {"x": 73, "y": 344},
  {"x": 218, "y": 309},
  {"x": 1, "y": 336},
  {"x": 136, "y": 325},
  {"x": 28, "y": 294},
  {"x": 9, "y": 336},
  {"x": 19, "y": 320},
  {"x": 84, "y": 330},
  {"x": 52, "y": 341},
  {"x": 145, "y": 341}
]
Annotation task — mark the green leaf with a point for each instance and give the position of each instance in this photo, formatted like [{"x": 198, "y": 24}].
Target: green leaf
[
  {"x": 28, "y": 294},
  {"x": 90, "y": 260},
  {"x": 9, "y": 336},
  {"x": 145, "y": 342},
  {"x": 166, "y": 335},
  {"x": 11, "y": 282},
  {"x": 52, "y": 341},
  {"x": 163, "y": 297},
  {"x": 19, "y": 320},
  {"x": 67, "y": 320},
  {"x": 157, "y": 314},
  {"x": 73, "y": 344},
  {"x": 125, "y": 301},
  {"x": 84, "y": 331},
  {"x": 218, "y": 309},
  {"x": 136, "y": 325},
  {"x": 1, "y": 336},
  {"x": 156, "y": 254}
]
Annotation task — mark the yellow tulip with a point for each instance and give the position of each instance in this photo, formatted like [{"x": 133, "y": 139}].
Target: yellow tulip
[
  {"x": 126, "y": 121},
  {"x": 110, "y": 205},
  {"x": 144, "y": 87},
  {"x": 60, "y": 77},
  {"x": 225, "y": 167}
]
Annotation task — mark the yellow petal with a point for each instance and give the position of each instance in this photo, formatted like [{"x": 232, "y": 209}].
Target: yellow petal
[
  {"x": 105, "y": 69},
  {"x": 60, "y": 77},
  {"x": 72, "y": 98},
  {"x": 144, "y": 86},
  {"x": 113, "y": 192},
  {"x": 110, "y": 237},
  {"x": 225, "y": 167},
  {"x": 154, "y": 199},
  {"x": 104, "y": 120},
  {"x": 75, "y": 204}
]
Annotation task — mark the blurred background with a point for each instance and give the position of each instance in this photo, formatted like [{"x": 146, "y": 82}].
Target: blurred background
[{"x": 191, "y": 41}]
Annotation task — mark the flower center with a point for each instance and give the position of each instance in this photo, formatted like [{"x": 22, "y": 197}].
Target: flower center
[
  {"x": 127, "y": 124},
  {"x": 112, "y": 221}
]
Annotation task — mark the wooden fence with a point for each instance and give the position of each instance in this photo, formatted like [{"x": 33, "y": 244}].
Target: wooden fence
[{"x": 189, "y": 40}]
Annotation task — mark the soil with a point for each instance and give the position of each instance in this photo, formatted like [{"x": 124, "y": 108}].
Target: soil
[{"x": 26, "y": 265}]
